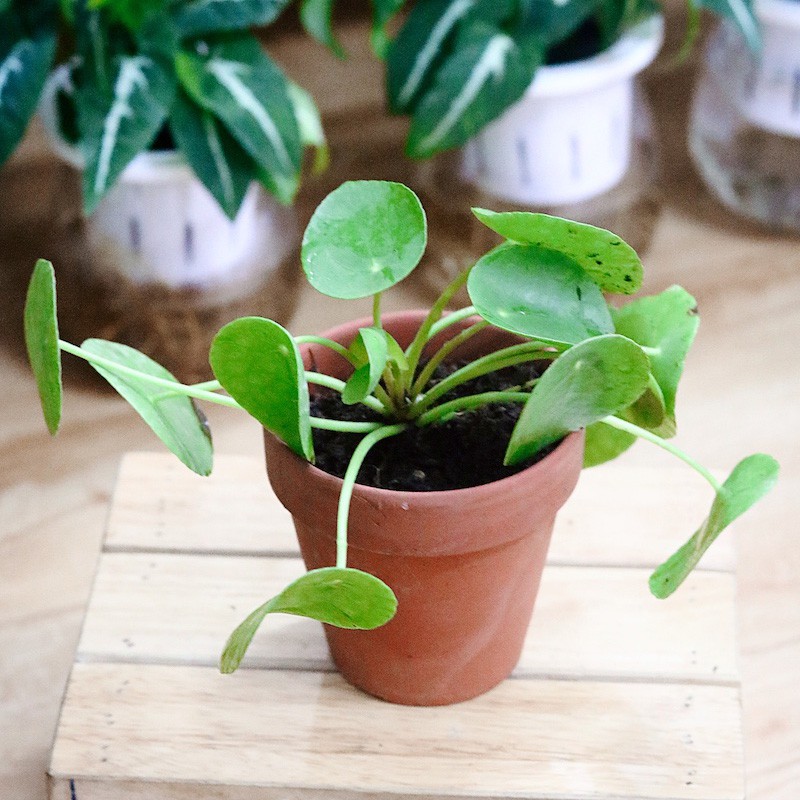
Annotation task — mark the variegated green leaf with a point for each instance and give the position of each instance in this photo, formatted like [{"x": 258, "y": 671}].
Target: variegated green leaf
[
  {"x": 198, "y": 17},
  {"x": 216, "y": 157},
  {"x": 309, "y": 123},
  {"x": 487, "y": 72},
  {"x": 317, "y": 19},
  {"x": 382, "y": 13},
  {"x": 119, "y": 123},
  {"x": 419, "y": 48},
  {"x": 23, "y": 69},
  {"x": 234, "y": 79}
]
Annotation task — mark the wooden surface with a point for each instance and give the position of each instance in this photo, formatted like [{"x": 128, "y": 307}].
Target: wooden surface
[
  {"x": 617, "y": 695},
  {"x": 741, "y": 393}
]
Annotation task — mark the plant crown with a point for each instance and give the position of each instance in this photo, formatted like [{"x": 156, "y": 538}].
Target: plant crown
[{"x": 613, "y": 371}]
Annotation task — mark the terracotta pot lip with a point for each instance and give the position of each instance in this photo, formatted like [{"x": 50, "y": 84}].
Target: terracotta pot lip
[{"x": 433, "y": 497}]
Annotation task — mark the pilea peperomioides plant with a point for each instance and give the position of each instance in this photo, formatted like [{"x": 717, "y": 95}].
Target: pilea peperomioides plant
[{"x": 612, "y": 371}]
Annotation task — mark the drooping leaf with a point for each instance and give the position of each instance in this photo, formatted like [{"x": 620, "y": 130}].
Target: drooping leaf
[
  {"x": 538, "y": 292},
  {"x": 592, "y": 380},
  {"x": 374, "y": 346},
  {"x": 317, "y": 19},
  {"x": 487, "y": 71},
  {"x": 120, "y": 123},
  {"x": 173, "y": 417},
  {"x": 604, "y": 443},
  {"x": 650, "y": 411},
  {"x": 309, "y": 123},
  {"x": 234, "y": 79},
  {"x": 364, "y": 237},
  {"x": 611, "y": 263},
  {"x": 665, "y": 323},
  {"x": 346, "y": 598},
  {"x": 555, "y": 21},
  {"x": 419, "y": 48},
  {"x": 259, "y": 365},
  {"x": 198, "y": 17},
  {"x": 216, "y": 157},
  {"x": 741, "y": 13},
  {"x": 23, "y": 70},
  {"x": 41, "y": 341},
  {"x": 750, "y": 480}
]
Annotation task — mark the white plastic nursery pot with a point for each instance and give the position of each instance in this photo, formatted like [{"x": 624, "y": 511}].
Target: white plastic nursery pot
[
  {"x": 570, "y": 137},
  {"x": 745, "y": 124}
]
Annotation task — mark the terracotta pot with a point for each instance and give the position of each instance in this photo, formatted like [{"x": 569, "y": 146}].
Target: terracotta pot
[{"x": 465, "y": 564}]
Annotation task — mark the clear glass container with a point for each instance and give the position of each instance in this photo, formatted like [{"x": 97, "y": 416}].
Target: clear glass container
[
  {"x": 580, "y": 144},
  {"x": 744, "y": 133}
]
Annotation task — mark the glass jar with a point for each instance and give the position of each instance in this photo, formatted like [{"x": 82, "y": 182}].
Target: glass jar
[
  {"x": 579, "y": 144},
  {"x": 744, "y": 133}
]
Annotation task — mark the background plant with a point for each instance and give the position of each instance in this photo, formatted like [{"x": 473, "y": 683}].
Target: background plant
[
  {"x": 133, "y": 68},
  {"x": 458, "y": 64},
  {"x": 614, "y": 372}
]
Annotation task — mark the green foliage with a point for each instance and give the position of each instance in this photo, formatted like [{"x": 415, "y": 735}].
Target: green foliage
[
  {"x": 258, "y": 363},
  {"x": 347, "y": 598},
  {"x": 614, "y": 372},
  {"x": 41, "y": 341},
  {"x": 364, "y": 237}
]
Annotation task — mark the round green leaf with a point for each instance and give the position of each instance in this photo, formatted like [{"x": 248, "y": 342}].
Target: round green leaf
[
  {"x": 604, "y": 443},
  {"x": 538, "y": 292},
  {"x": 340, "y": 596},
  {"x": 41, "y": 341},
  {"x": 363, "y": 238},
  {"x": 372, "y": 350},
  {"x": 610, "y": 262},
  {"x": 174, "y": 418},
  {"x": 592, "y": 380},
  {"x": 258, "y": 364}
]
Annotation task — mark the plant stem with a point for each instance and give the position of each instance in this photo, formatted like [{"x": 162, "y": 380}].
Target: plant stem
[
  {"x": 329, "y": 382},
  {"x": 329, "y": 343},
  {"x": 173, "y": 387},
  {"x": 376, "y": 310},
  {"x": 629, "y": 427},
  {"x": 507, "y": 357},
  {"x": 446, "y": 410},
  {"x": 452, "y": 319},
  {"x": 414, "y": 350},
  {"x": 208, "y": 386},
  {"x": 344, "y": 426},
  {"x": 348, "y": 483},
  {"x": 422, "y": 380}
]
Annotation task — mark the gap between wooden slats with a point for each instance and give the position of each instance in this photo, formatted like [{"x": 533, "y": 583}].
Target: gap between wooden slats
[
  {"x": 617, "y": 516},
  {"x": 291, "y": 731},
  {"x": 589, "y": 622}
]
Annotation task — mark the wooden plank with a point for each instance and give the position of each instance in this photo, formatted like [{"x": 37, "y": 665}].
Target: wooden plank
[
  {"x": 589, "y": 622},
  {"x": 292, "y": 731},
  {"x": 159, "y": 505}
]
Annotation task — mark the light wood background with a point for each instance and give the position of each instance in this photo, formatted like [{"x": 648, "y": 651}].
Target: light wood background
[{"x": 741, "y": 394}]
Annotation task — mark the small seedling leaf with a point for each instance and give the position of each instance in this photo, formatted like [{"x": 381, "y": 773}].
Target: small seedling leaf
[
  {"x": 41, "y": 340},
  {"x": 750, "y": 480},
  {"x": 173, "y": 417},
  {"x": 539, "y": 293},
  {"x": 666, "y": 323},
  {"x": 604, "y": 443},
  {"x": 364, "y": 237},
  {"x": 609, "y": 261},
  {"x": 259, "y": 365},
  {"x": 340, "y": 596},
  {"x": 372, "y": 350},
  {"x": 590, "y": 381}
]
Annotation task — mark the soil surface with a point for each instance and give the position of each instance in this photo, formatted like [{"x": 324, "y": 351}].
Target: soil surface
[{"x": 465, "y": 451}]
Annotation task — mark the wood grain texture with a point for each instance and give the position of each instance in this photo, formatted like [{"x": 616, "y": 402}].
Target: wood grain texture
[{"x": 308, "y": 730}]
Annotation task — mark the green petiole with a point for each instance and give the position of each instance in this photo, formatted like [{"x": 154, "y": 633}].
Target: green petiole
[
  {"x": 348, "y": 482},
  {"x": 446, "y": 410},
  {"x": 329, "y": 343},
  {"x": 629, "y": 427},
  {"x": 328, "y": 382},
  {"x": 452, "y": 319},
  {"x": 345, "y": 426}
]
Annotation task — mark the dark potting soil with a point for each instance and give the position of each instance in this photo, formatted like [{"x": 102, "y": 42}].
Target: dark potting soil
[{"x": 467, "y": 450}]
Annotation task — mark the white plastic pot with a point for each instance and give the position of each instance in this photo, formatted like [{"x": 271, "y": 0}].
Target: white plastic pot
[
  {"x": 767, "y": 87},
  {"x": 159, "y": 224},
  {"x": 570, "y": 136}
]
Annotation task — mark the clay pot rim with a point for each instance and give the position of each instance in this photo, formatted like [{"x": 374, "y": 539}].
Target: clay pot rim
[{"x": 339, "y": 333}]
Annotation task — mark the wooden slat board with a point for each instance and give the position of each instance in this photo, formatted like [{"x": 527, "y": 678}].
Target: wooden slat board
[{"x": 617, "y": 696}]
